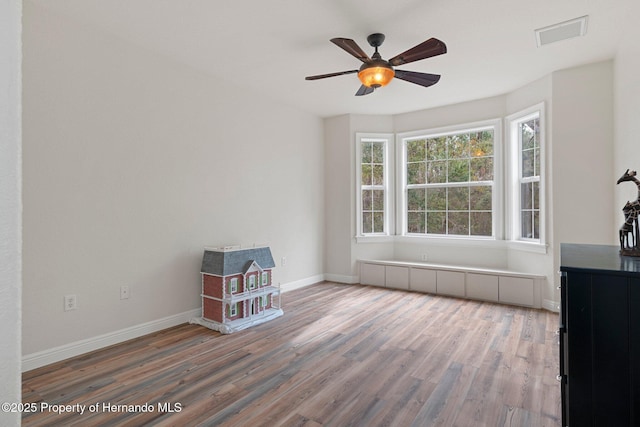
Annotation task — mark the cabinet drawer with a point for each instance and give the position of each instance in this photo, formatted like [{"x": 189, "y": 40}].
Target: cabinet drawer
[
  {"x": 397, "y": 277},
  {"x": 516, "y": 290},
  {"x": 372, "y": 274},
  {"x": 422, "y": 280},
  {"x": 482, "y": 286},
  {"x": 450, "y": 283}
]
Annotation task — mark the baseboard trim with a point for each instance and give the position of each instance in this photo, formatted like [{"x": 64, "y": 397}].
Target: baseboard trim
[
  {"x": 77, "y": 348},
  {"x": 340, "y": 278},
  {"x": 56, "y": 354},
  {"x": 302, "y": 283},
  {"x": 550, "y": 305}
]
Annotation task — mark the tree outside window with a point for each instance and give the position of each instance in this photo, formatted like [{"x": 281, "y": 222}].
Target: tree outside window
[{"x": 449, "y": 183}]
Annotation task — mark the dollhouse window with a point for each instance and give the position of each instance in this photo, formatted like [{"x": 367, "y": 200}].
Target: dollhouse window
[
  {"x": 252, "y": 282},
  {"x": 233, "y": 285},
  {"x": 233, "y": 310},
  {"x": 265, "y": 279}
]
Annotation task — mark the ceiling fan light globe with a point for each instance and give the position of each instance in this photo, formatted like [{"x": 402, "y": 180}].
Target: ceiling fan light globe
[{"x": 376, "y": 76}]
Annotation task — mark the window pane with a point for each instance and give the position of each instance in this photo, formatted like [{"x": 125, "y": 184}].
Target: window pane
[
  {"x": 536, "y": 162},
  {"x": 536, "y": 195},
  {"x": 458, "y": 146},
  {"x": 367, "y": 177},
  {"x": 437, "y": 172},
  {"x": 458, "y": 223},
  {"x": 378, "y": 222},
  {"x": 527, "y": 225},
  {"x": 481, "y": 144},
  {"x": 480, "y": 198},
  {"x": 378, "y": 174},
  {"x": 366, "y": 152},
  {"x": 528, "y": 163},
  {"x": 416, "y": 150},
  {"x": 458, "y": 170},
  {"x": 528, "y": 136},
  {"x": 436, "y": 199},
  {"x": 367, "y": 200},
  {"x": 416, "y": 199},
  {"x": 416, "y": 173},
  {"x": 436, "y": 222},
  {"x": 459, "y": 199},
  {"x": 377, "y": 154},
  {"x": 378, "y": 200},
  {"x": 536, "y": 224},
  {"x": 437, "y": 148},
  {"x": 481, "y": 224},
  {"x": 482, "y": 169},
  {"x": 526, "y": 199},
  {"x": 416, "y": 222},
  {"x": 367, "y": 222}
]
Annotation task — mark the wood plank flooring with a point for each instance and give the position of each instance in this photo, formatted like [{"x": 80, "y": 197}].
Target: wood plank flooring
[{"x": 342, "y": 355}]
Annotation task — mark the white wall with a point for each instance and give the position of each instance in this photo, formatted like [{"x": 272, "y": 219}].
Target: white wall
[
  {"x": 132, "y": 164},
  {"x": 10, "y": 206},
  {"x": 338, "y": 199},
  {"x": 627, "y": 111},
  {"x": 342, "y": 250},
  {"x": 582, "y": 153}
]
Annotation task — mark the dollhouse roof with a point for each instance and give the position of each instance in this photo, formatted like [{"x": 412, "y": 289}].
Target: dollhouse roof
[{"x": 228, "y": 263}]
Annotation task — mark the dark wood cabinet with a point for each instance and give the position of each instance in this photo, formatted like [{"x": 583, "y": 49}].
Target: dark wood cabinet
[{"x": 599, "y": 337}]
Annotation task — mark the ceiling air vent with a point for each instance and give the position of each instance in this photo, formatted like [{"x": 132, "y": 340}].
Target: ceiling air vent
[{"x": 562, "y": 31}]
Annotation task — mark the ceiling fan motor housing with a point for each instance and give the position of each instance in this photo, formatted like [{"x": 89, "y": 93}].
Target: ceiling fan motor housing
[{"x": 376, "y": 39}]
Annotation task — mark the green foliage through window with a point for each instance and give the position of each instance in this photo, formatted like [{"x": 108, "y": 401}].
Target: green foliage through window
[
  {"x": 372, "y": 186},
  {"x": 449, "y": 183}
]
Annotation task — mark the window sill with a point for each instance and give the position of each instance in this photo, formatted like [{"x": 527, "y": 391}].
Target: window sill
[
  {"x": 375, "y": 239},
  {"x": 522, "y": 246},
  {"x": 519, "y": 245},
  {"x": 453, "y": 241}
]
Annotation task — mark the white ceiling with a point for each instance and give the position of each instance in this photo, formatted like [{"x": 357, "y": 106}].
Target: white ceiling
[{"x": 268, "y": 47}]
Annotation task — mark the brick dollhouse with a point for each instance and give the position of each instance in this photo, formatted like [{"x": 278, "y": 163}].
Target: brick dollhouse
[{"x": 237, "y": 289}]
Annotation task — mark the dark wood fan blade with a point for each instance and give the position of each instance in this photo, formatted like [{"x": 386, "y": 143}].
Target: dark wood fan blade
[
  {"x": 364, "y": 90},
  {"x": 324, "y": 76},
  {"x": 427, "y": 49},
  {"x": 352, "y": 48},
  {"x": 422, "y": 79}
]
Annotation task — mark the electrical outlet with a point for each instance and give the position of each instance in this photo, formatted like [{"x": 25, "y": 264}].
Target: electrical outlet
[
  {"x": 124, "y": 292},
  {"x": 70, "y": 302},
  {"x": 424, "y": 257},
  {"x": 283, "y": 261}
]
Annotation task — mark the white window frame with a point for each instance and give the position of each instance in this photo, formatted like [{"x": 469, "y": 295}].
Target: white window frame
[
  {"x": 497, "y": 189},
  {"x": 515, "y": 173},
  {"x": 389, "y": 201},
  {"x": 264, "y": 278},
  {"x": 252, "y": 281}
]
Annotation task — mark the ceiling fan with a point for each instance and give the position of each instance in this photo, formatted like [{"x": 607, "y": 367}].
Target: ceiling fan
[{"x": 375, "y": 72}]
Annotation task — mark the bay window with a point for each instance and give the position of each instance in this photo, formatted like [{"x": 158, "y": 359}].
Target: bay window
[{"x": 455, "y": 183}]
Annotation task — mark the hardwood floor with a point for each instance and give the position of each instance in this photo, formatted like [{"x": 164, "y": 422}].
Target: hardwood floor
[{"x": 342, "y": 355}]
